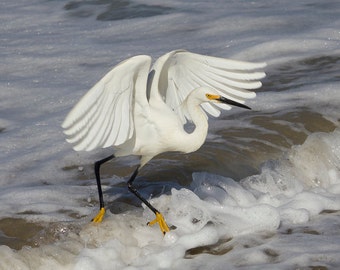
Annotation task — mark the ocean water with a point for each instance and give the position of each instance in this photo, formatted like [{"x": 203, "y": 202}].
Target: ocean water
[{"x": 262, "y": 193}]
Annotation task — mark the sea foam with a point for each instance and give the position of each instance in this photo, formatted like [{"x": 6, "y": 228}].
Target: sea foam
[{"x": 213, "y": 210}]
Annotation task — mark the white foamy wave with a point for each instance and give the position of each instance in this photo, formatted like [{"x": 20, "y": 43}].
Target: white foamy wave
[
  {"x": 288, "y": 191},
  {"x": 304, "y": 182}
]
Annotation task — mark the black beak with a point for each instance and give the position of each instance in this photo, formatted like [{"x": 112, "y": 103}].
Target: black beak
[{"x": 233, "y": 103}]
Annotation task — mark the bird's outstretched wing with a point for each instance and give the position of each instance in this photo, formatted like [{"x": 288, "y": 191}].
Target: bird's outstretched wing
[
  {"x": 104, "y": 116},
  {"x": 180, "y": 72}
]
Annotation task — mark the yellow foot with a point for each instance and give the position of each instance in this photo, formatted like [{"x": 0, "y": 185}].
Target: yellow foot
[
  {"x": 99, "y": 217},
  {"x": 161, "y": 222}
]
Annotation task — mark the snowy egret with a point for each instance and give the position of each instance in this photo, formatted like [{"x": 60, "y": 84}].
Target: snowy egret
[{"x": 142, "y": 112}]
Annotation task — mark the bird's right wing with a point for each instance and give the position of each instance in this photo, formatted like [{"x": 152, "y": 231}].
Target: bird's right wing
[
  {"x": 180, "y": 72},
  {"x": 104, "y": 115}
]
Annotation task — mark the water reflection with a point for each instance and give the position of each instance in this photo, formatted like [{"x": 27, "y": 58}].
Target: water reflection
[{"x": 114, "y": 10}]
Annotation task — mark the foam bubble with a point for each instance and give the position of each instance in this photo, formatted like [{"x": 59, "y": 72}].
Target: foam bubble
[{"x": 304, "y": 181}]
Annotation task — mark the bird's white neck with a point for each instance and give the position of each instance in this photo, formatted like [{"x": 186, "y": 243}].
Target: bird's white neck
[{"x": 193, "y": 141}]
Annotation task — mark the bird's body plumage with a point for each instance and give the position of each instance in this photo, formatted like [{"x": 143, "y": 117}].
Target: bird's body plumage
[{"x": 139, "y": 110}]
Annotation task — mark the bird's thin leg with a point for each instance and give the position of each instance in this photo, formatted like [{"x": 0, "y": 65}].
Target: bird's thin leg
[
  {"x": 159, "y": 217},
  {"x": 99, "y": 217}
]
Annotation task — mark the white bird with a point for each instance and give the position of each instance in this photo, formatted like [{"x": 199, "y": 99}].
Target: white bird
[{"x": 139, "y": 111}]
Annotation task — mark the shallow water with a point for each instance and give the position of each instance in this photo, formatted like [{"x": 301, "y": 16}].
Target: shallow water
[
  {"x": 262, "y": 193},
  {"x": 114, "y": 10}
]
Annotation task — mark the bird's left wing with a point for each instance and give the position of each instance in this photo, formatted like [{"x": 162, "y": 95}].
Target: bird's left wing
[
  {"x": 104, "y": 115},
  {"x": 182, "y": 71}
]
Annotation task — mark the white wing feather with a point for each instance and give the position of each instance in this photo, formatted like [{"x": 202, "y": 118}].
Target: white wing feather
[
  {"x": 180, "y": 72},
  {"x": 104, "y": 116}
]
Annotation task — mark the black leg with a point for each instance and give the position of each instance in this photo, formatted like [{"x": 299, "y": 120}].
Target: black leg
[
  {"x": 137, "y": 194},
  {"x": 99, "y": 186},
  {"x": 159, "y": 217}
]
